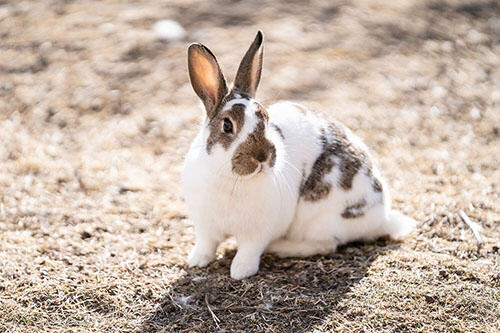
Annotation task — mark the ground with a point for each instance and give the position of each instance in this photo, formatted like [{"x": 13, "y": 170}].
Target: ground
[{"x": 96, "y": 114}]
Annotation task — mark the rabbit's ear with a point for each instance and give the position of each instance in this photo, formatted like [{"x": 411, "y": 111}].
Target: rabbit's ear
[
  {"x": 206, "y": 77},
  {"x": 248, "y": 75}
]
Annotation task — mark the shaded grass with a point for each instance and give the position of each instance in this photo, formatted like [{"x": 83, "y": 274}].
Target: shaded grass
[{"x": 377, "y": 286}]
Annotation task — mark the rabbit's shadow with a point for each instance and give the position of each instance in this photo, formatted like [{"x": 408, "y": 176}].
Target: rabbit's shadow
[{"x": 286, "y": 295}]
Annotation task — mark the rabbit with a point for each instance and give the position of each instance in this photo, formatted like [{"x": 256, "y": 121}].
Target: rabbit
[{"x": 279, "y": 179}]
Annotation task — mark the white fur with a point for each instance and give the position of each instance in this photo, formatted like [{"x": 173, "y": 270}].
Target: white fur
[{"x": 264, "y": 211}]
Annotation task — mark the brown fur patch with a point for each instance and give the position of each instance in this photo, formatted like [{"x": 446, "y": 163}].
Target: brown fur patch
[
  {"x": 355, "y": 210},
  {"x": 237, "y": 116},
  {"x": 261, "y": 113},
  {"x": 272, "y": 160},
  {"x": 280, "y": 132},
  {"x": 377, "y": 186},
  {"x": 314, "y": 188},
  {"x": 255, "y": 149},
  {"x": 352, "y": 159}
]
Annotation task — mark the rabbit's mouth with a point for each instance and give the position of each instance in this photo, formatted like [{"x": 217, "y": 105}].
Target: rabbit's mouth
[
  {"x": 252, "y": 159},
  {"x": 260, "y": 169}
]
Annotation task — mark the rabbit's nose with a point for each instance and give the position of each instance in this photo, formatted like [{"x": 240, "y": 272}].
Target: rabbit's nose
[{"x": 262, "y": 156}]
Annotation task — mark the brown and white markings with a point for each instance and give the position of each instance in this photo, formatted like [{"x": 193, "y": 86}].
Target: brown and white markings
[
  {"x": 256, "y": 148},
  {"x": 337, "y": 151},
  {"x": 355, "y": 210},
  {"x": 235, "y": 113}
]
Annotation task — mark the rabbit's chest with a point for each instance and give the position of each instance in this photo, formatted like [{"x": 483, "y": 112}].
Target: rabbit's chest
[{"x": 235, "y": 207}]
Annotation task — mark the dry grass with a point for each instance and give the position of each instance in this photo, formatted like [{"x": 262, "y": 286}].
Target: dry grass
[{"x": 96, "y": 115}]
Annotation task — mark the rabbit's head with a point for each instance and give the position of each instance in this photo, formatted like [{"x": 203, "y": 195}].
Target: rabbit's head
[{"x": 236, "y": 130}]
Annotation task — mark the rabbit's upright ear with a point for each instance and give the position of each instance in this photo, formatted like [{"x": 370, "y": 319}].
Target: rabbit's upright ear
[
  {"x": 206, "y": 77},
  {"x": 248, "y": 75}
]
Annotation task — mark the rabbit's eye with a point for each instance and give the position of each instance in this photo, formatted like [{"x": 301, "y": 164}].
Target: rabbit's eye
[{"x": 227, "y": 127}]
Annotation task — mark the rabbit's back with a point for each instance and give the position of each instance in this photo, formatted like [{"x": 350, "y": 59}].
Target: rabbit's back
[{"x": 342, "y": 195}]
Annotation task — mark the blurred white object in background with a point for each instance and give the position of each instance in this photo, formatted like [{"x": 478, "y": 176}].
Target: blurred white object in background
[
  {"x": 475, "y": 114},
  {"x": 169, "y": 30}
]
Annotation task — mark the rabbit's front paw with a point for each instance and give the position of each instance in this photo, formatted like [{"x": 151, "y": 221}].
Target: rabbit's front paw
[
  {"x": 241, "y": 269},
  {"x": 197, "y": 259}
]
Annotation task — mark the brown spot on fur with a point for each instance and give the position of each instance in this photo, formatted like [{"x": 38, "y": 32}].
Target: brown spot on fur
[
  {"x": 314, "y": 188},
  {"x": 377, "y": 186},
  {"x": 351, "y": 160},
  {"x": 256, "y": 148},
  {"x": 272, "y": 159},
  {"x": 237, "y": 116},
  {"x": 277, "y": 129},
  {"x": 355, "y": 210},
  {"x": 352, "y": 157},
  {"x": 261, "y": 113}
]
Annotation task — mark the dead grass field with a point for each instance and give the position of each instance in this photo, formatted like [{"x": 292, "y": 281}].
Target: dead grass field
[{"x": 96, "y": 115}]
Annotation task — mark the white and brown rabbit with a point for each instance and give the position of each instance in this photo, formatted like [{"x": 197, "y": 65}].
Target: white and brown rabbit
[{"x": 278, "y": 179}]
